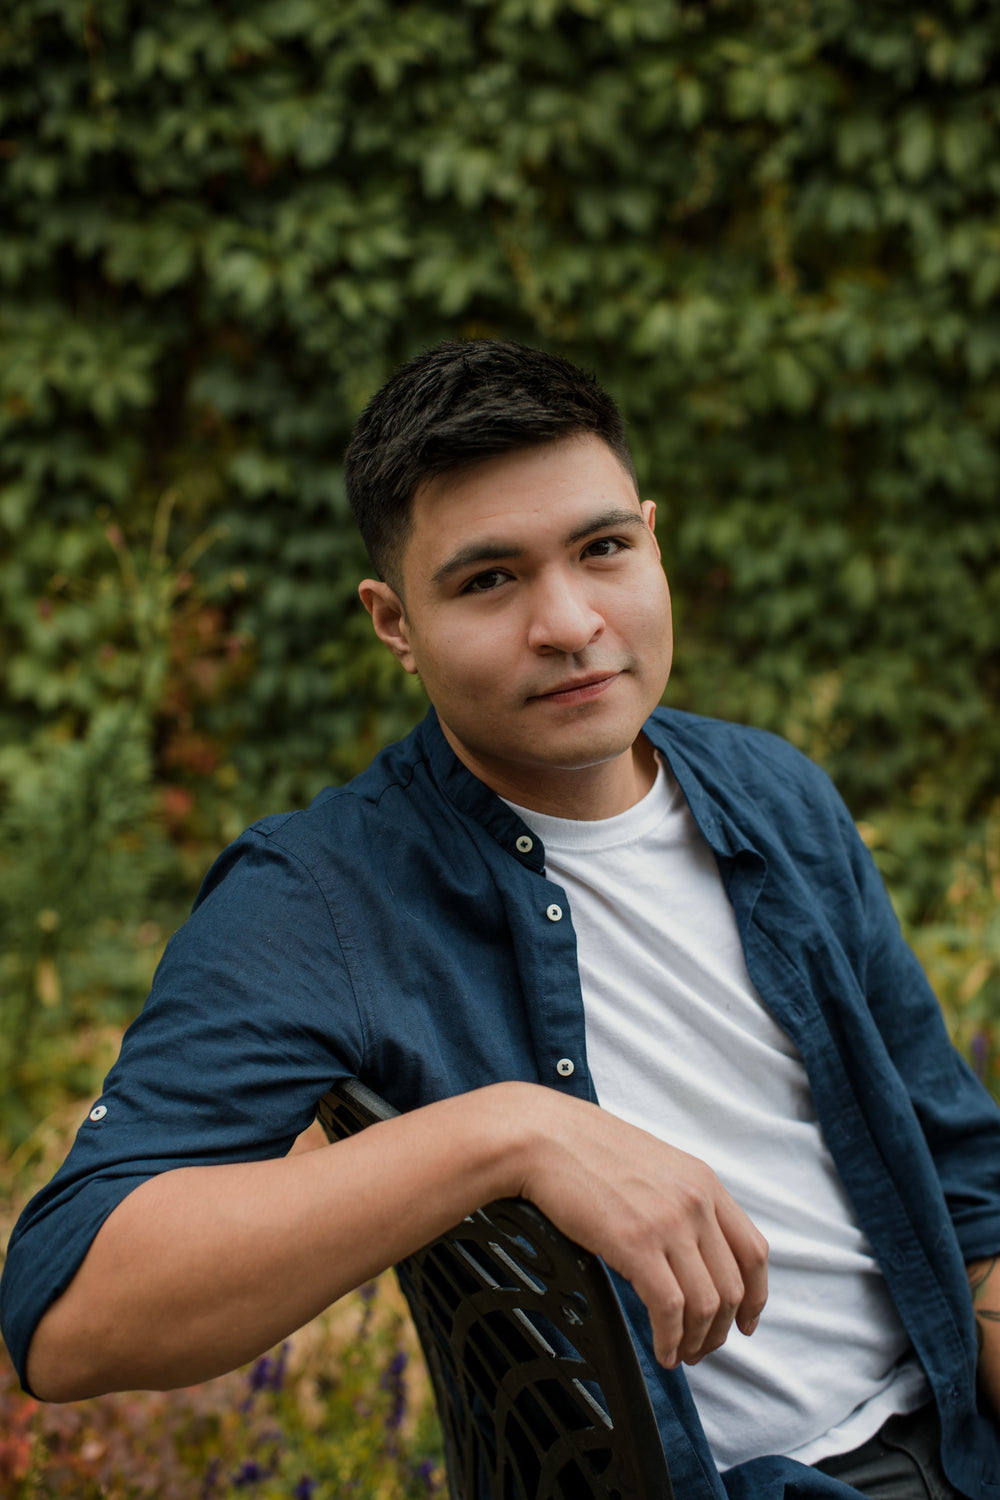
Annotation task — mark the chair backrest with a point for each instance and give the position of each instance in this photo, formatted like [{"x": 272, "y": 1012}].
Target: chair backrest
[{"x": 537, "y": 1383}]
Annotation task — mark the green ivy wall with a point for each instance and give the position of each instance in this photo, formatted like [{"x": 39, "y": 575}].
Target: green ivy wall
[{"x": 770, "y": 226}]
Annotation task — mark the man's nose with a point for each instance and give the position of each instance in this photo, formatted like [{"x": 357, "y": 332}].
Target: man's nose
[{"x": 563, "y": 617}]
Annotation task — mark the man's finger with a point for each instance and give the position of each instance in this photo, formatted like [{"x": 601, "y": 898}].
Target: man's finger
[
  {"x": 713, "y": 1291},
  {"x": 664, "y": 1301},
  {"x": 750, "y": 1250}
]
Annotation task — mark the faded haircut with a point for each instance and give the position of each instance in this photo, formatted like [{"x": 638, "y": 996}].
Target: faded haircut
[{"x": 457, "y": 404}]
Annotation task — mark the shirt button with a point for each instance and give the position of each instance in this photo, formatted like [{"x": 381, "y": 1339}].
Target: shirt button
[
  {"x": 524, "y": 844},
  {"x": 564, "y": 1067},
  {"x": 98, "y": 1112},
  {"x": 554, "y": 913}
]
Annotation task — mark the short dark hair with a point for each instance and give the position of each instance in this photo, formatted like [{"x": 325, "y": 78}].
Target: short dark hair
[{"x": 456, "y": 404}]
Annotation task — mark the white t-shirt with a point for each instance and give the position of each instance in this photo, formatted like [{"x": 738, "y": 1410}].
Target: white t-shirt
[{"x": 680, "y": 1043}]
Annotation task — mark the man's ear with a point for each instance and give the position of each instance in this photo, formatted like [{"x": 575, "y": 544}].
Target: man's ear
[
  {"x": 649, "y": 515},
  {"x": 389, "y": 619}
]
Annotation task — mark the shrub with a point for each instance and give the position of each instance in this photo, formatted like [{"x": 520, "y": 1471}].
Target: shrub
[{"x": 769, "y": 226}]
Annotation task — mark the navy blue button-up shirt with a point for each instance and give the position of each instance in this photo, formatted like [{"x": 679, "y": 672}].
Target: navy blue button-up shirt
[{"x": 400, "y": 931}]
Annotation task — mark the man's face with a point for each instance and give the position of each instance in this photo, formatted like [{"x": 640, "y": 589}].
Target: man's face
[{"x": 536, "y": 612}]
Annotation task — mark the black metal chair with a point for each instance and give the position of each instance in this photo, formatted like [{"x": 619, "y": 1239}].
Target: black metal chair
[{"x": 537, "y": 1383}]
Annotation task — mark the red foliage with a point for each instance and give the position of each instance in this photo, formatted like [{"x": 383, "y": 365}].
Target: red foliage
[{"x": 16, "y": 1439}]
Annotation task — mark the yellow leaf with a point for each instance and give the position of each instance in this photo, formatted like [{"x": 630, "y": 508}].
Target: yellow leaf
[{"x": 47, "y": 985}]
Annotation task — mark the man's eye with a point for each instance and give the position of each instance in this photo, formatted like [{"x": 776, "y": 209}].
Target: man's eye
[
  {"x": 483, "y": 582},
  {"x": 605, "y": 546}
]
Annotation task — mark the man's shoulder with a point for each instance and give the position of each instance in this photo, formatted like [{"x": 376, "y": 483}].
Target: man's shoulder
[
  {"x": 343, "y": 830},
  {"x": 760, "y": 783},
  {"x": 730, "y": 749},
  {"x": 376, "y": 796}
]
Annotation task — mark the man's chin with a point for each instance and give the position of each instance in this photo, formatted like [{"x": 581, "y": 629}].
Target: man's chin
[{"x": 575, "y": 760}]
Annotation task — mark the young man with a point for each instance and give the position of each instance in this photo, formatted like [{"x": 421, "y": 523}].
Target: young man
[{"x": 552, "y": 893}]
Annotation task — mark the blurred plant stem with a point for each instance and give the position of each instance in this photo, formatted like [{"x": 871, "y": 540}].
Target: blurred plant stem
[
  {"x": 82, "y": 848},
  {"x": 959, "y": 948}
]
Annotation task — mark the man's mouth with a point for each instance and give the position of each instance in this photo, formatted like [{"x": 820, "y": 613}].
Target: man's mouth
[{"x": 577, "y": 689}]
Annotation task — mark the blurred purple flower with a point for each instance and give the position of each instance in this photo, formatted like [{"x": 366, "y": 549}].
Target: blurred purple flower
[
  {"x": 280, "y": 1367},
  {"x": 248, "y": 1473},
  {"x": 304, "y": 1489},
  {"x": 392, "y": 1381},
  {"x": 367, "y": 1295},
  {"x": 267, "y": 1374},
  {"x": 260, "y": 1373}
]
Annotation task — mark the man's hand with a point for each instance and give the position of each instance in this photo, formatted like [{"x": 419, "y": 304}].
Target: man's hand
[
  {"x": 984, "y": 1283},
  {"x": 202, "y": 1268},
  {"x": 659, "y": 1217}
]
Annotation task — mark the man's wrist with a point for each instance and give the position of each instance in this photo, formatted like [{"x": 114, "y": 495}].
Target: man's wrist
[{"x": 984, "y": 1284}]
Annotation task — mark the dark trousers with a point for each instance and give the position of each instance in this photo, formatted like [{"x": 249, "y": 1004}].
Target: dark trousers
[{"x": 901, "y": 1462}]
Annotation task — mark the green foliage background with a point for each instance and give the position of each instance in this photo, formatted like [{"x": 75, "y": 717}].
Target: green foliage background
[{"x": 770, "y": 226}]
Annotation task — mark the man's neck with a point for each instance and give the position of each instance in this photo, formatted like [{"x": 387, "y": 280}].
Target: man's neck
[{"x": 585, "y": 794}]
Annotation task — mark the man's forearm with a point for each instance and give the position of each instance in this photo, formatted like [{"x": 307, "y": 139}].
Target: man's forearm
[
  {"x": 984, "y": 1281},
  {"x": 203, "y": 1268}
]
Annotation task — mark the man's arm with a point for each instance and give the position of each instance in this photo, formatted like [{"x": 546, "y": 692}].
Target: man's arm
[
  {"x": 202, "y": 1268},
  {"x": 984, "y": 1281}
]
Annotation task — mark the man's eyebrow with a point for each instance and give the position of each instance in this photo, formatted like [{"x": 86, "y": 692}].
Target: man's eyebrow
[
  {"x": 499, "y": 551},
  {"x": 603, "y": 521},
  {"x": 472, "y": 554}
]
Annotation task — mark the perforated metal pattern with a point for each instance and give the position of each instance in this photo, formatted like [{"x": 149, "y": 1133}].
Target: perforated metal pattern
[{"x": 537, "y": 1383}]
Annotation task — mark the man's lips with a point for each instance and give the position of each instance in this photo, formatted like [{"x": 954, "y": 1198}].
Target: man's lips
[{"x": 577, "y": 689}]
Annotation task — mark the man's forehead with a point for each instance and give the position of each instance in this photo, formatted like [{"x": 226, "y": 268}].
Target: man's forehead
[
  {"x": 580, "y": 468},
  {"x": 550, "y": 493},
  {"x": 556, "y": 454}
]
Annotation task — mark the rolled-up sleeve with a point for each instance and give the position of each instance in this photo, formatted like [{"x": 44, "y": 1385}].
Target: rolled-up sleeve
[{"x": 251, "y": 1017}]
